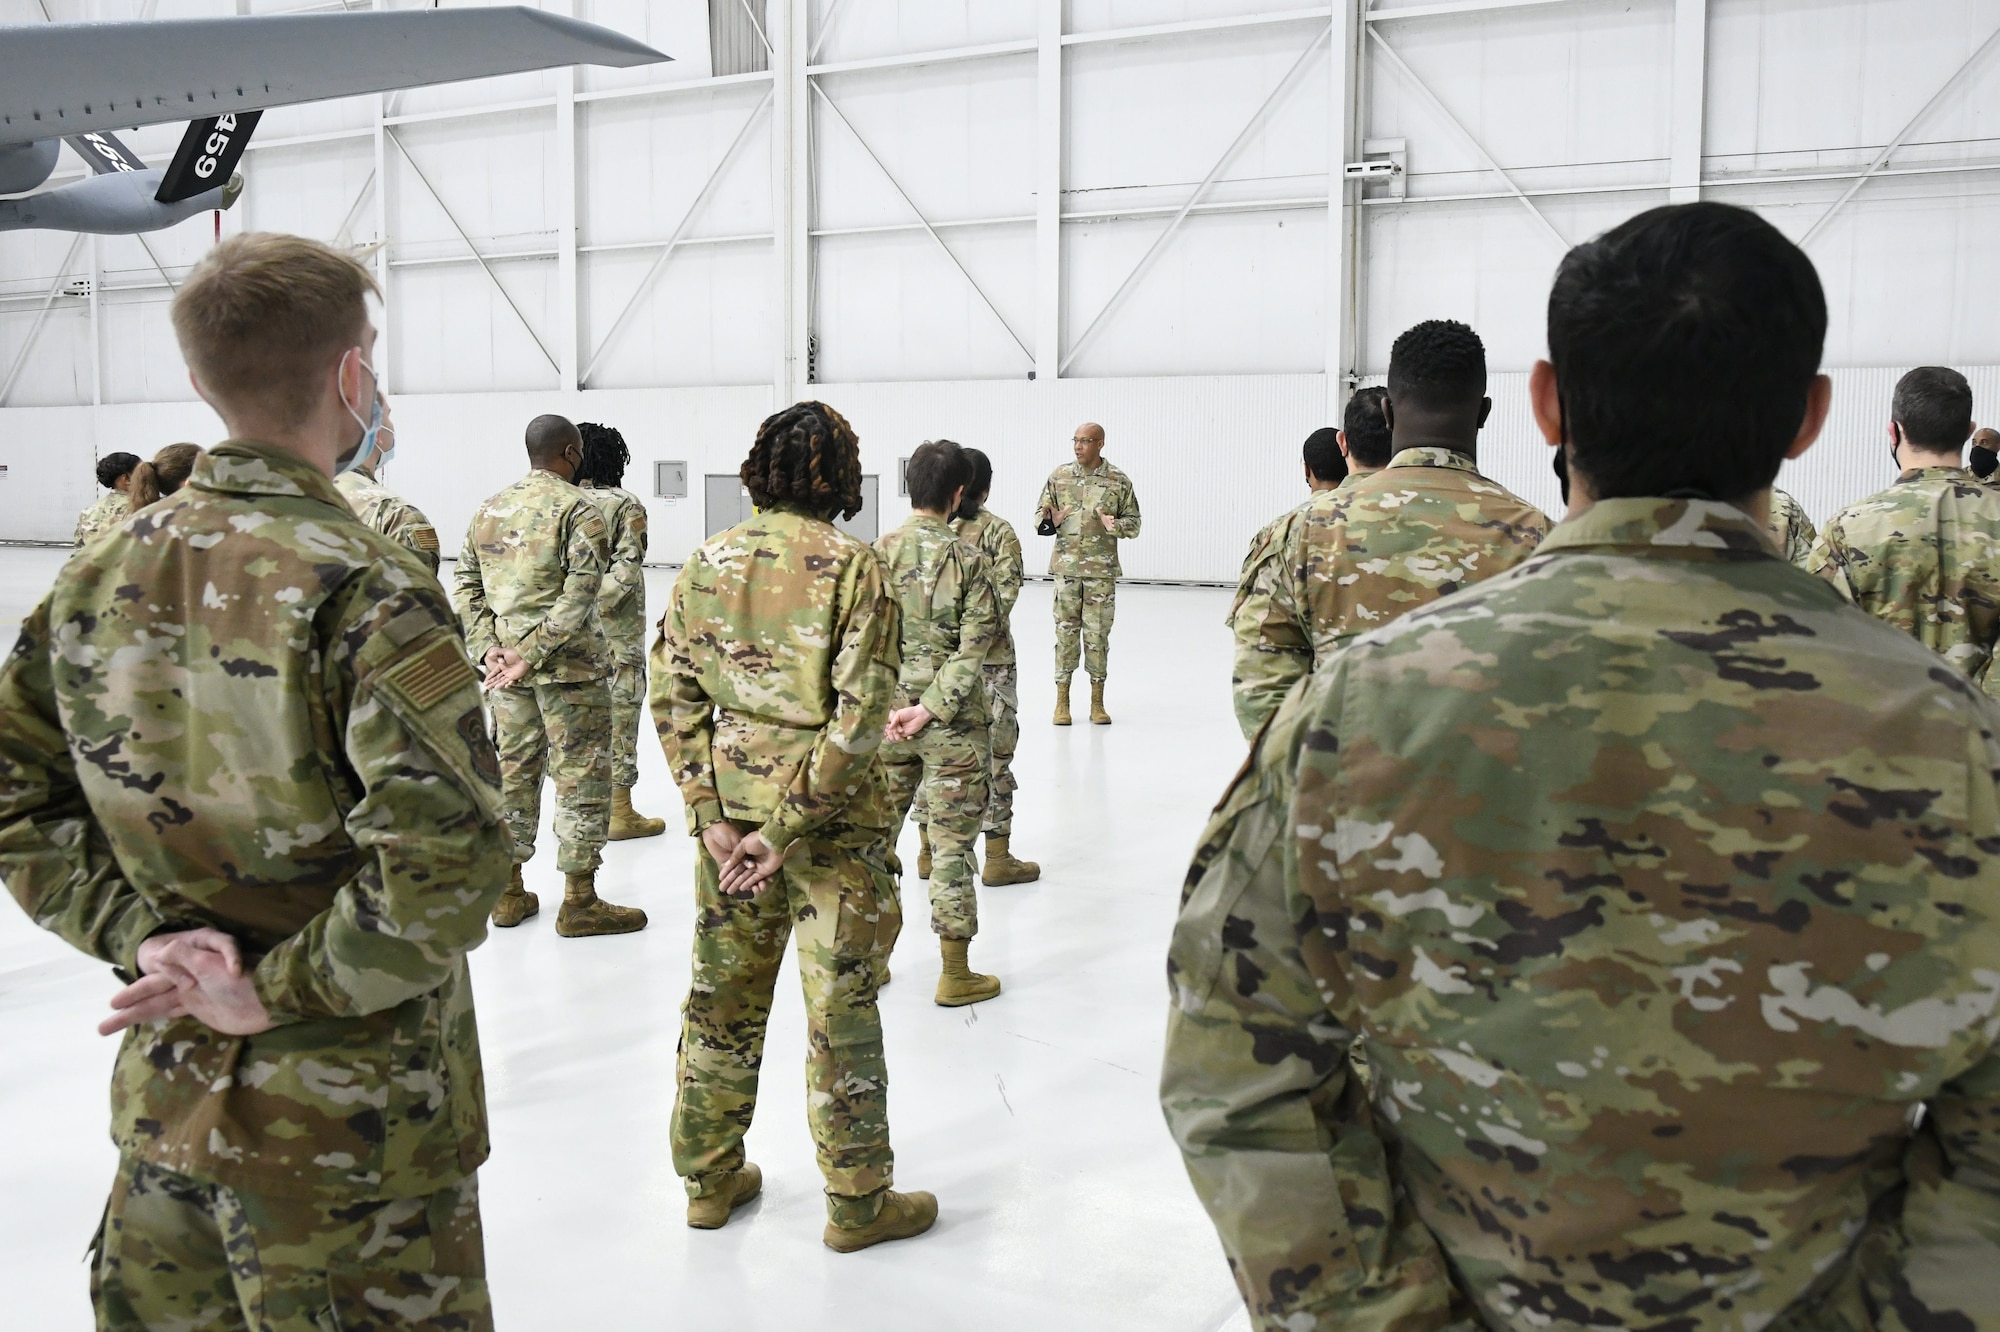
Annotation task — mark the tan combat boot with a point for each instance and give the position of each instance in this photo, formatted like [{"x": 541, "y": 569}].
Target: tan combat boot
[
  {"x": 711, "y": 1210},
  {"x": 923, "y": 851},
  {"x": 1001, "y": 867},
  {"x": 960, "y": 984},
  {"x": 516, "y": 904},
  {"x": 584, "y": 913},
  {"x": 902, "y": 1215},
  {"x": 1062, "y": 703},
  {"x": 1098, "y": 716},
  {"x": 626, "y": 822}
]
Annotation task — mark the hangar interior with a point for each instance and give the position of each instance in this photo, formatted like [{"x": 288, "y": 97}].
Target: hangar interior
[{"x": 1199, "y": 222}]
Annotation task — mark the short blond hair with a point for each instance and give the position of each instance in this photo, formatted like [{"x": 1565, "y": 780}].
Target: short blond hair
[{"x": 261, "y": 314}]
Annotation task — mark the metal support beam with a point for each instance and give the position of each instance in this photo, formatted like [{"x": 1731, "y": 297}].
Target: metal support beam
[
  {"x": 158, "y": 267},
  {"x": 751, "y": 14},
  {"x": 1271, "y": 99},
  {"x": 904, "y": 194},
  {"x": 825, "y": 29},
  {"x": 1198, "y": 27},
  {"x": 484, "y": 267},
  {"x": 678, "y": 239},
  {"x": 1461, "y": 7},
  {"x": 791, "y": 131},
  {"x": 1343, "y": 214},
  {"x": 568, "y": 349},
  {"x": 1486, "y": 158},
  {"x": 1972, "y": 62},
  {"x": 1689, "y": 104},
  {"x": 1048, "y": 189},
  {"x": 986, "y": 52},
  {"x": 41, "y": 315}
]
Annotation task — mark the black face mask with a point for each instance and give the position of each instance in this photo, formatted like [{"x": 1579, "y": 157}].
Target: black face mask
[{"x": 1984, "y": 461}]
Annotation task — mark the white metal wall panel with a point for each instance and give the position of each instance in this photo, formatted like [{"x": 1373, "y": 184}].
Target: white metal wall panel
[{"x": 863, "y": 31}]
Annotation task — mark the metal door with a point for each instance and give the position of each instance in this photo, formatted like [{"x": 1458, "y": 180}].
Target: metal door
[
  {"x": 866, "y": 525},
  {"x": 725, "y": 502}
]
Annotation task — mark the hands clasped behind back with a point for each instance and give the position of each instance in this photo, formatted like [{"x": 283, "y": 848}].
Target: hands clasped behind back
[
  {"x": 746, "y": 862},
  {"x": 190, "y": 973}
]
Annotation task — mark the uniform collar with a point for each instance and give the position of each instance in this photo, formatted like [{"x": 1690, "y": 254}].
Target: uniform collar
[
  {"x": 1676, "y": 528},
  {"x": 1434, "y": 457},
  {"x": 928, "y": 520},
  {"x": 1938, "y": 474},
  {"x": 248, "y": 467}
]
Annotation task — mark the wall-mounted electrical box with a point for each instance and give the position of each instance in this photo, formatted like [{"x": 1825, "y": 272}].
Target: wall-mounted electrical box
[{"x": 670, "y": 480}]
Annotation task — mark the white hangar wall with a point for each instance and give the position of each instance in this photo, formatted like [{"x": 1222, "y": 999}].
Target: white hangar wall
[{"x": 908, "y": 206}]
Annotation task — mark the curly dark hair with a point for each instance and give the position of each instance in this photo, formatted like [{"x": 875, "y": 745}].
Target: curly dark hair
[
  {"x": 806, "y": 455},
  {"x": 1439, "y": 365},
  {"x": 605, "y": 455}
]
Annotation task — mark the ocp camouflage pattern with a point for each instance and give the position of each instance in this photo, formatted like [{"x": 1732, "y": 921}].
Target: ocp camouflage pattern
[
  {"x": 528, "y": 578},
  {"x": 1083, "y": 548},
  {"x": 394, "y": 517},
  {"x": 772, "y": 678},
  {"x": 1923, "y": 555},
  {"x": 1791, "y": 527},
  {"x": 107, "y": 512},
  {"x": 1659, "y": 889},
  {"x": 243, "y": 709},
  {"x": 1358, "y": 556}
]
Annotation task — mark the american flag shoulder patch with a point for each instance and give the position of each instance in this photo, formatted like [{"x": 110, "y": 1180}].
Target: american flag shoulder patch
[{"x": 431, "y": 676}]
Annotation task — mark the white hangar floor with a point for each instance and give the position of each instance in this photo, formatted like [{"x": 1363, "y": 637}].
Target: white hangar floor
[{"x": 1032, "y": 1117}]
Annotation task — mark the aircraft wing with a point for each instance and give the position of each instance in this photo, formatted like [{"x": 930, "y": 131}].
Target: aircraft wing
[{"x": 64, "y": 79}]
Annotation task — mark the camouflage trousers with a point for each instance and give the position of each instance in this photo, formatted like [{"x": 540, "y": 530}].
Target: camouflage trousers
[
  {"x": 948, "y": 762},
  {"x": 1084, "y": 610},
  {"x": 628, "y": 707},
  {"x": 177, "y": 1253},
  {"x": 1003, "y": 733},
  {"x": 563, "y": 731},
  {"x": 836, "y": 897}
]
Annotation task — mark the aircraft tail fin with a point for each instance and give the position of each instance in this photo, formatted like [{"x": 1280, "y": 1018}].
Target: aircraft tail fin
[
  {"x": 207, "y": 155},
  {"x": 104, "y": 152}
]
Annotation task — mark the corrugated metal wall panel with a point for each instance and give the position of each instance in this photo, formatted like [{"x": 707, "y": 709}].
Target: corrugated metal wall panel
[{"x": 733, "y": 44}]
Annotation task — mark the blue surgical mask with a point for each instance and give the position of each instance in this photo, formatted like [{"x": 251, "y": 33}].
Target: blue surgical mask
[{"x": 371, "y": 429}]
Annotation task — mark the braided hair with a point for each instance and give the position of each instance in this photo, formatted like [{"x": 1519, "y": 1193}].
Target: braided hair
[
  {"x": 605, "y": 455},
  {"x": 806, "y": 455}
]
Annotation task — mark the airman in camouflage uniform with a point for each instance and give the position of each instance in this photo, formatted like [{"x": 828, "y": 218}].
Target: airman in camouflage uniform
[
  {"x": 100, "y": 517},
  {"x": 332, "y": 802},
  {"x": 621, "y": 609},
  {"x": 1093, "y": 507},
  {"x": 950, "y": 622},
  {"x": 1657, "y": 887},
  {"x": 992, "y": 536},
  {"x": 1924, "y": 554},
  {"x": 114, "y": 473},
  {"x": 1355, "y": 558},
  {"x": 1791, "y": 527},
  {"x": 527, "y": 585},
  {"x": 383, "y": 509},
  {"x": 1327, "y": 469},
  {"x": 771, "y": 684}
]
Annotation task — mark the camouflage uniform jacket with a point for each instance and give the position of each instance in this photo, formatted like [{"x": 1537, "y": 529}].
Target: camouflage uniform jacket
[
  {"x": 1083, "y": 548},
  {"x": 949, "y": 614},
  {"x": 243, "y": 709},
  {"x": 772, "y": 678},
  {"x": 1925, "y": 556},
  {"x": 528, "y": 578},
  {"x": 993, "y": 536},
  {"x": 109, "y": 511},
  {"x": 1791, "y": 527},
  {"x": 1270, "y": 542},
  {"x": 1358, "y": 556},
  {"x": 621, "y": 602},
  {"x": 394, "y": 517},
  {"x": 1659, "y": 889}
]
